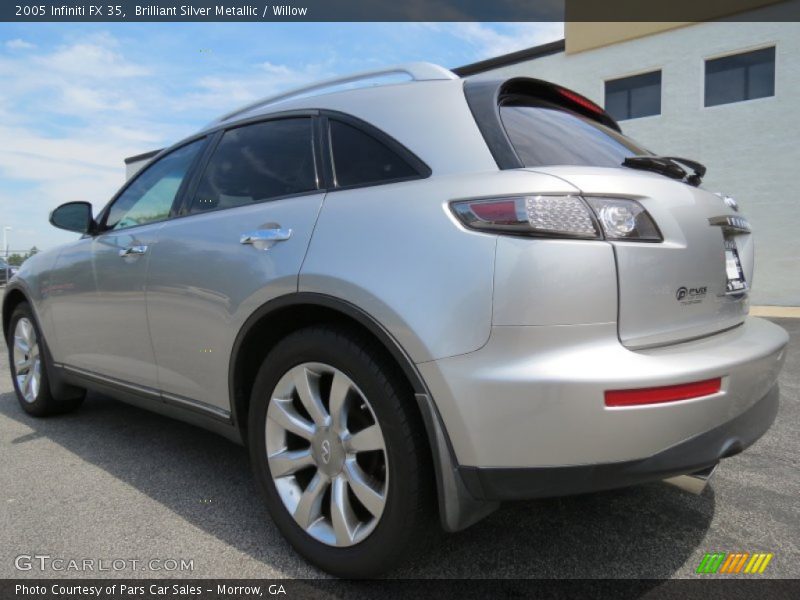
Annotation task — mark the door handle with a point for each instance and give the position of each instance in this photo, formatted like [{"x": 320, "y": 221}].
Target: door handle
[
  {"x": 263, "y": 239},
  {"x": 133, "y": 251}
]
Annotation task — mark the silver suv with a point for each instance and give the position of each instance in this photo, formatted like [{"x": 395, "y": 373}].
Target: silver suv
[{"x": 411, "y": 300}]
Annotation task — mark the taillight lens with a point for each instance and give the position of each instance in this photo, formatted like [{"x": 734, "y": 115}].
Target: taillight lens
[
  {"x": 560, "y": 216},
  {"x": 624, "y": 219}
]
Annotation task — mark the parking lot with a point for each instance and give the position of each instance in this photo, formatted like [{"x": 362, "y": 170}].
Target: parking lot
[{"x": 115, "y": 482}]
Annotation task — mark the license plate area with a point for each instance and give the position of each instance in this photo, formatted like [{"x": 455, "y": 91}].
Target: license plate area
[{"x": 736, "y": 283}]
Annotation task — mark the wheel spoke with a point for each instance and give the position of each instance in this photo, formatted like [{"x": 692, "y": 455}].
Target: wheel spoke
[
  {"x": 284, "y": 414},
  {"x": 307, "y": 384},
  {"x": 309, "y": 508},
  {"x": 26, "y": 384},
  {"x": 340, "y": 387},
  {"x": 35, "y": 377},
  {"x": 21, "y": 343},
  {"x": 367, "y": 440},
  {"x": 342, "y": 515},
  {"x": 289, "y": 462},
  {"x": 372, "y": 499},
  {"x": 22, "y": 365}
]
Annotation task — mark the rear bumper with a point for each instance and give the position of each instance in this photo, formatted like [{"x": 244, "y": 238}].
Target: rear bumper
[
  {"x": 533, "y": 397},
  {"x": 699, "y": 452}
]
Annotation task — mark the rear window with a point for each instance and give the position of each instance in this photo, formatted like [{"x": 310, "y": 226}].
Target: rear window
[
  {"x": 360, "y": 159},
  {"x": 547, "y": 135}
]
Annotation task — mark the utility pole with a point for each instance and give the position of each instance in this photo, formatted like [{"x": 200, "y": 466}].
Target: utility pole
[{"x": 5, "y": 248}]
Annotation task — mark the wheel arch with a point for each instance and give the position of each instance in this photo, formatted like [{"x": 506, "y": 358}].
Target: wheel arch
[
  {"x": 277, "y": 318},
  {"x": 12, "y": 298}
]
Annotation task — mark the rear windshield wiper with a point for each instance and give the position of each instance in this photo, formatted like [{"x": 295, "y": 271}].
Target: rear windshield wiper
[{"x": 669, "y": 166}]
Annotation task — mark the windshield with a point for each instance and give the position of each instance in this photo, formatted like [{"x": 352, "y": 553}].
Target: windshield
[{"x": 546, "y": 135}]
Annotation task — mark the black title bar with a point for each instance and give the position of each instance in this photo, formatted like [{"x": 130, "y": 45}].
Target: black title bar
[{"x": 397, "y": 10}]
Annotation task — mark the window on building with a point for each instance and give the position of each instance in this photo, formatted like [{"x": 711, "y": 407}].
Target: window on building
[
  {"x": 257, "y": 162},
  {"x": 633, "y": 97},
  {"x": 740, "y": 77},
  {"x": 360, "y": 159}
]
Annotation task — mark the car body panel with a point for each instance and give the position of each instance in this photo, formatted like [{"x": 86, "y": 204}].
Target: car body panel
[
  {"x": 533, "y": 396},
  {"x": 434, "y": 308},
  {"x": 98, "y": 306},
  {"x": 692, "y": 256},
  {"x": 203, "y": 285}
]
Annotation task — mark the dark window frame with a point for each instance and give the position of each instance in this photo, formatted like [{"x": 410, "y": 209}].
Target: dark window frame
[
  {"x": 423, "y": 171},
  {"x": 706, "y": 61},
  {"x": 660, "y": 74},
  {"x": 185, "y": 207}
]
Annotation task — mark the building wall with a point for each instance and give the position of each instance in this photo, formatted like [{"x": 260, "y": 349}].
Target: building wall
[{"x": 751, "y": 149}]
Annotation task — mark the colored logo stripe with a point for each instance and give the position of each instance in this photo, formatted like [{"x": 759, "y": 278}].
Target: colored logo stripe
[{"x": 722, "y": 562}]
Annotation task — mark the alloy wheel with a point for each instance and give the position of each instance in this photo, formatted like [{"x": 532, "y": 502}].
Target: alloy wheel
[
  {"x": 326, "y": 454},
  {"x": 27, "y": 363}
]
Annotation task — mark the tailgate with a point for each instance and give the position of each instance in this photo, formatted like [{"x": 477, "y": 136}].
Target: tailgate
[{"x": 692, "y": 284}]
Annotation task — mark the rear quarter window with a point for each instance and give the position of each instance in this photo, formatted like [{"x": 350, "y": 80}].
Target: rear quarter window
[{"x": 361, "y": 159}]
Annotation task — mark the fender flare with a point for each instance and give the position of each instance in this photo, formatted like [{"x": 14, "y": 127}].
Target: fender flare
[{"x": 458, "y": 509}]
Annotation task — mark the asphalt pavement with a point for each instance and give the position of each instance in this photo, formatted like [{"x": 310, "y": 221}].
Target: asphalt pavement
[{"x": 116, "y": 482}]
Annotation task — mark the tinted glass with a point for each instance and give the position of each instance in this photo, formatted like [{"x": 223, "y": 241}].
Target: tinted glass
[
  {"x": 149, "y": 198},
  {"x": 546, "y": 135},
  {"x": 632, "y": 97},
  {"x": 740, "y": 77},
  {"x": 361, "y": 159},
  {"x": 257, "y": 162}
]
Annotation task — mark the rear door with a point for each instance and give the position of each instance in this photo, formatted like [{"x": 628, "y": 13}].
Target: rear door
[{"x": 240, "y": 241}]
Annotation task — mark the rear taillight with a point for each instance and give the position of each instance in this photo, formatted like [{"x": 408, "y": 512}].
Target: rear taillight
[
  {"x": 559, "y": 216},
  {"x": 667, "y": 393}
]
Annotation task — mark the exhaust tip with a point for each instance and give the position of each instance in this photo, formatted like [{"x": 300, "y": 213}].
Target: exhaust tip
[{"x": 694, "y": 483}]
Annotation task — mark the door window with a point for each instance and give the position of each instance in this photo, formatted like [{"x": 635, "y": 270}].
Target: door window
[
  {"x": 254, "y": 163},
  {"x": 149, "y": 198}
]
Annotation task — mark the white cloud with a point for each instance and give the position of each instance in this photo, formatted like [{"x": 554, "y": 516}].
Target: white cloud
[
  {"x": 19, "y": 44},
  {"x": 489, "y": 42}
]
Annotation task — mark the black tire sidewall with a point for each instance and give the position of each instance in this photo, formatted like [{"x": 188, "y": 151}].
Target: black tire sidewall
[{"x": 378, "y": 551}]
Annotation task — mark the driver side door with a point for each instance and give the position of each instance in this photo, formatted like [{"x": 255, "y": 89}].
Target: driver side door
[{"x": 99, "y": 283}]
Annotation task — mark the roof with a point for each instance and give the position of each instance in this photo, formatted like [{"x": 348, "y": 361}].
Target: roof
[{"x": 511, "y": 58}]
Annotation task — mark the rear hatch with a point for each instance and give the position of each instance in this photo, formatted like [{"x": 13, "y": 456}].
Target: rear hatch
[
  {"x": 676, "y": 289},
  {"x": 671, "y": 290}
]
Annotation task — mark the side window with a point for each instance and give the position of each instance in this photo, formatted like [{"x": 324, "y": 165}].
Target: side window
[
  {"x": 149, "y": 198},
  {"x": 257, "y": 162},
  {"x": 360, "y": 159}
]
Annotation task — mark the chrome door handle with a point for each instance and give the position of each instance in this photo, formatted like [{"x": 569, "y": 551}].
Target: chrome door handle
[
  {"x": 264, "y": 239},
  {"x": 133, "y": 251}
]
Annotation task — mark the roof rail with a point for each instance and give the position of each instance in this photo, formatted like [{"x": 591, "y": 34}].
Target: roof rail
[{"x": 418, "y": 71}]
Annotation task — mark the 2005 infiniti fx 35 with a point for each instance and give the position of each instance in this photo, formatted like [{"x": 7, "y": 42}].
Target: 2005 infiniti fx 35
[{"x": 411, "y": 300}]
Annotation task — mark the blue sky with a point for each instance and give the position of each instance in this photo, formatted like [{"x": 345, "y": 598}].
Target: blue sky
[{"x": 76, "y": 99}]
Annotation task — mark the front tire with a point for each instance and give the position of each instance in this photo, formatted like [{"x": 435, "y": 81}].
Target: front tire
[
  {"x": 26, "y": 357},
  {"x": 338, "y": 449}
]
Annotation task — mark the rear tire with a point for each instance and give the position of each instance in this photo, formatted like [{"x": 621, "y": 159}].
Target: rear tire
[
  {"x": 393, "y": 459},
  {"x": 27, "y": 360}
]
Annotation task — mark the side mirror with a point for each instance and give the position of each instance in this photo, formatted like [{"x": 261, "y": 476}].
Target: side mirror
[{"x": 73, "y": 216}]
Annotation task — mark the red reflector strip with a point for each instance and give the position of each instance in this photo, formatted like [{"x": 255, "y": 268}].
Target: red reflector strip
[{"x": 667, "y": 393}]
